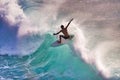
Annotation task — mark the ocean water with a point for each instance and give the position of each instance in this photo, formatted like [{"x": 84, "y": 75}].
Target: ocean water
[
  {"x": 47, "y": 63},
  {"x": 26, "y": 28}
]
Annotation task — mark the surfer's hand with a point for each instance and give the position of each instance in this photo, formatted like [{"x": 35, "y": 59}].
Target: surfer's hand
[{"x": 54, "y": 34}]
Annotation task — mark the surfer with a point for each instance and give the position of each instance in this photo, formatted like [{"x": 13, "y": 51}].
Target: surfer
[{"x": 64, "y": 31}]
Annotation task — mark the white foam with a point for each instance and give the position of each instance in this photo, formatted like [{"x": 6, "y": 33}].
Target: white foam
[{"x": 99, "y": 56}]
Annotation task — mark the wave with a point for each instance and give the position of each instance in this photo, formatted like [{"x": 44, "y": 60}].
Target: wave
[
  {"x": 23, "y": 33},
  {"x": 47, "y": 63}
]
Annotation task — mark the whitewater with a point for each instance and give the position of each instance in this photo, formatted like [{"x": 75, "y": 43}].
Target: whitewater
[{"x": 26, "y": 35}]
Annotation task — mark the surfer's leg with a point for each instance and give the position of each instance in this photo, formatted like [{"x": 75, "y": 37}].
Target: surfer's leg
[{"x": 60, "y": 38}]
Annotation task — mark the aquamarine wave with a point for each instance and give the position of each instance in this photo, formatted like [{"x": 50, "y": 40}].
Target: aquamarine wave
[{"x": 47, "y": 63}]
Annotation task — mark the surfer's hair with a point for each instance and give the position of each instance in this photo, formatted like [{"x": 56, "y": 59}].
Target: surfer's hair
[{"x": 62, "y": 26}]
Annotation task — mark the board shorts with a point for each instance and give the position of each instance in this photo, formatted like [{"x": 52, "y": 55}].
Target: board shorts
[{"x": 66, "y": 37}]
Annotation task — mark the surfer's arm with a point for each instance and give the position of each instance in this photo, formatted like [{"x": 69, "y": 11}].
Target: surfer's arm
[
  {"x": 69, "y": 23},
  {"x": 56, "y": 33}
]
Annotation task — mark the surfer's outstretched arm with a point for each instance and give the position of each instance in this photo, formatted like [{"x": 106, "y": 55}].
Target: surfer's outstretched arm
[
  {"x": 56, "y": 33},
  {"x": 69, "y": 23}
]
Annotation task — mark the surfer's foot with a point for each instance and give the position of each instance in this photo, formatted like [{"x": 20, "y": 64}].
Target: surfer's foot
[{"x": 59, "y": 41}]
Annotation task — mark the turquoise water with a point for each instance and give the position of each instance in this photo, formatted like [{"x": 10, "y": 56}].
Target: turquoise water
[{"x": 47, "y": 63}]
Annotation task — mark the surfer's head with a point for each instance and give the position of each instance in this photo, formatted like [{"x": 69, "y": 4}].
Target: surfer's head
[{"x": 62, "y": 27}]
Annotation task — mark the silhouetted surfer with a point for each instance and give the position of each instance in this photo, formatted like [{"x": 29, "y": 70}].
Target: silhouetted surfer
[{"x": 64, "y": 31}]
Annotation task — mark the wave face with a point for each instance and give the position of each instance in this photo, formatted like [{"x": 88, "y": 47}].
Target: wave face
[
  {"x": 45, "y": 63},
  {"x": 24, "y": 23}
]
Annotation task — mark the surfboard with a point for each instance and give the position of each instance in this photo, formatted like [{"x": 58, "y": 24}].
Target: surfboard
[{"x": 65, "y": 41}]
